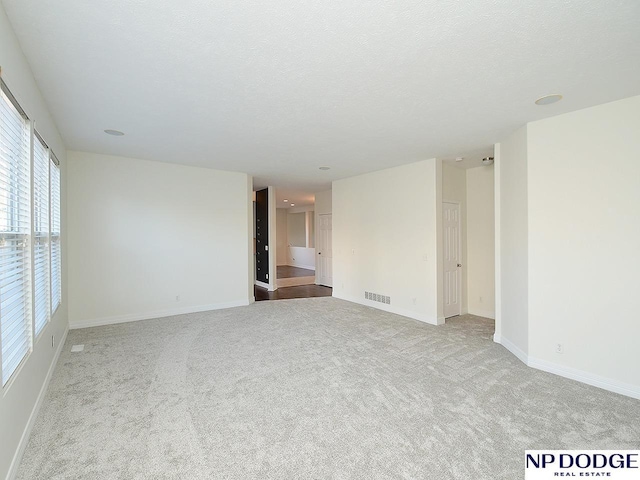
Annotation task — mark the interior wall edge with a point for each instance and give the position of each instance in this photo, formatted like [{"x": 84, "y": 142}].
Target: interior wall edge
[{"x": 588, "y": 378}]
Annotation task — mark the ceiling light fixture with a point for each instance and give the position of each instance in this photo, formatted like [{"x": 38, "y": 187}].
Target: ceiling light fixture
[
  {"x": 549, "y": 99},
  {"x": 285, "y": 200},
  {"x": 487, "y": 161},
  {"x": 459, "y": 159},
  {"x": 324, "y": 168},
  {"x": 115, "y": 133},
  {"x": 293, "y": 204}
]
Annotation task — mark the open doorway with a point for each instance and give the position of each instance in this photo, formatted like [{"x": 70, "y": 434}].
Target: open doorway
[
  {"x": 468, "y": 237},
  {"x": 293, "y": 233},
  {"x": 295, "y": 240}
]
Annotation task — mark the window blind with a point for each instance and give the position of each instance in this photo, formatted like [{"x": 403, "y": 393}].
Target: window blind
[
  {"x": 15, "y": 228},
  {"x": 41, "y": 277},
  {"x": 56, "y": 259}
]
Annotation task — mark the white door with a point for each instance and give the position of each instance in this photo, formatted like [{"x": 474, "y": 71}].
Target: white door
[
  {"x": 324, "y": 265},
  {"x": 452, "y": 259}
]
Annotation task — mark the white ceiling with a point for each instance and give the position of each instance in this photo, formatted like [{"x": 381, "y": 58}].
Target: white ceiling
[
  {"x": 277, "y": 89},
  {"x": 299, "y": 198}
]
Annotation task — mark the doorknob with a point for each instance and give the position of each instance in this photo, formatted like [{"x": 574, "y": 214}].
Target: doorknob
[
  {"x": 459, "y": 264},
  {"x": 319, "y": 253}
]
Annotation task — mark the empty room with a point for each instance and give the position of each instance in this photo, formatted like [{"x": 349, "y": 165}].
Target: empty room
[{"x": 441, "y": 200}]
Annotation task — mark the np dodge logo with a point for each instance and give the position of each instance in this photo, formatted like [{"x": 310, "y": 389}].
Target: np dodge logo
[{"x": 613, "y": 464}]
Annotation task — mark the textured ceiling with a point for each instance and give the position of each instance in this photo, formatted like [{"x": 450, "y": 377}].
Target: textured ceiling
[{"x": 277, "y": 89}]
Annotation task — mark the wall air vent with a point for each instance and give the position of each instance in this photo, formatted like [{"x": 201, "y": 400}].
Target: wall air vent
[{"x": 376, "y": 297}]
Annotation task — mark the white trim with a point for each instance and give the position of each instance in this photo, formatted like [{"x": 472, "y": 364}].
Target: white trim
[
  {"x": 483, "y": 313},
  {"x": 26, "y": 434},
  {"x": 392, "y": 309},
  {"x": 586, "y": 377},
  {"x": 134, "y": 317},
  {"x": 513, "y": 348},
  {"x": 497, "y": 238},
  {"x": 592, "y": 379}
]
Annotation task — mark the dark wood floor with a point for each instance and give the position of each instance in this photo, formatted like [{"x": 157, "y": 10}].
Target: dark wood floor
[
  {"x": 302, "y": 291},
  {"x": 287, "y": 271}
]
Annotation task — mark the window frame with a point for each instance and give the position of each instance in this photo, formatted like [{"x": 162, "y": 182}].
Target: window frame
[{"x": 53, "y": 298}]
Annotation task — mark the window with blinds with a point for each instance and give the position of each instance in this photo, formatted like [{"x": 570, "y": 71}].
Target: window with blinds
[
  {"x": 56, "y": 259},
  {"x": 15, "y": 229},
  {"x": 42, "y": 311}
]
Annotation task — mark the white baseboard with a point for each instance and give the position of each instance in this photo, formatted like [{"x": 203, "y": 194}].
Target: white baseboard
[
  {"x": 24, "y": 439},
  {"x": 134, "y": 317},
  {"x": 592, "y": 379},
  {"x": 391, "y": 309},
  {"x": 615, "y": 386},
  {"x": 513, "y": 348},
  {"x": 483, "y": 313}
]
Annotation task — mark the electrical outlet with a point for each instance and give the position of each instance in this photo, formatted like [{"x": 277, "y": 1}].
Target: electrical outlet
[
  {"x": 414, "y": 300},
  {"x": 177, "y": 298},
  {"x": 480, "y": 299},
  {"x": 559, "y": 348}
]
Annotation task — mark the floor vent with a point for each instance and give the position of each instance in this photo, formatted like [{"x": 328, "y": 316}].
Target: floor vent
[{"x": 375, "y": 297}]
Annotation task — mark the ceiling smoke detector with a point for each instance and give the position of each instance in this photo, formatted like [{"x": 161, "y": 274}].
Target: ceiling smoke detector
[{"x": 487, "y": 161}]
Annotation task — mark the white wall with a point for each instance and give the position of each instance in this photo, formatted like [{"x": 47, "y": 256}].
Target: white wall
[
  {"x": 480, "y": 241},
  {"x": 454, "y": 189},
  {"x": 281, "y": 236},
  {"x": 568, "y": 203},
  {"x": 142, "y": 233},
  {"x": 19, "y": 399},
  {"x": 296, "y": 229},
  {"x": 302, "y": 257},
  {"x": 584, "y": 235},
  {"x": 385, "y": 240},
  {"x": 511, "y": 160},
  {"x": 322, "y": 204}
]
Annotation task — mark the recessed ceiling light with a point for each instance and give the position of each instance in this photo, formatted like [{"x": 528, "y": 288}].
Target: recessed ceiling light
[
  {"x": 549, "y": 99},
  {"x": 115, "y": 133},
  {"x": 285, "y": 200},
  {"x": 293, "y": 204},
  {"x": 459, "y": 159},
  {"x": 324, "y": 168}
]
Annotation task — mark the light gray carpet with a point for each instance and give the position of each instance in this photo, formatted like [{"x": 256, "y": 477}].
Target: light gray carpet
[{"x": 314, "y": 389}]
